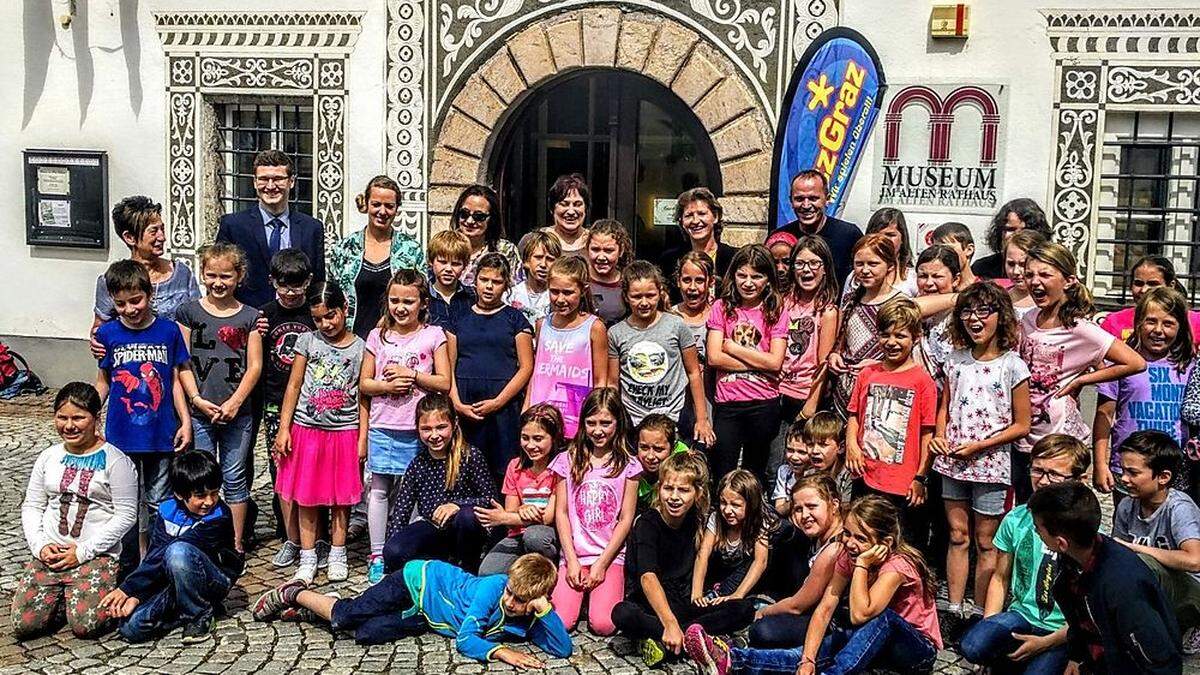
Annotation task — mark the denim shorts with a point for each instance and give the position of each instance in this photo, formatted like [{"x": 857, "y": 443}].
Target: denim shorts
[
  {"x": 987, "y": 499},
  {"x": 390, "y": 451}
]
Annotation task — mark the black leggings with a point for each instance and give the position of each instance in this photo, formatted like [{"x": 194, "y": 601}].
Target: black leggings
[
  {"x": 744, "y": 429},
  {"x": 638, "y": 622}
]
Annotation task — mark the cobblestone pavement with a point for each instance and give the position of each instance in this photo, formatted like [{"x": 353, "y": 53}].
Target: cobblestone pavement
[{"x": 242, "y": 645}]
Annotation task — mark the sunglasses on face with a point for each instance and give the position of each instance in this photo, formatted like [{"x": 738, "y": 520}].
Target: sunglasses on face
[
  {"x": 477, "y": 216},
  {"x": 979, "y": 311}
]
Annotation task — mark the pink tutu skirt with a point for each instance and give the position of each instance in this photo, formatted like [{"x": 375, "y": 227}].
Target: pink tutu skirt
[{"x": 322, "y": 469}]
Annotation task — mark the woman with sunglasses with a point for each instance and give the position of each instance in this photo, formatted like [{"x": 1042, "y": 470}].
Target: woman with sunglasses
[{"x": 477, "y": 216}]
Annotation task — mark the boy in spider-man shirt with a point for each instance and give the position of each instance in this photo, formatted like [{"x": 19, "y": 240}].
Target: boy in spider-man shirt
[{"x": 144, "y": 357}]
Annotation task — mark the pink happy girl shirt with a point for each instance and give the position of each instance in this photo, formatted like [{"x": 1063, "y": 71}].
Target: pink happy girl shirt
[{"x": 594, "y": 506}]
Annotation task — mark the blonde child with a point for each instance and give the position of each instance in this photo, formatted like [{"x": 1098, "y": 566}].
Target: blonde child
[
  {"x": 695, "y": 277},
  {"x": 983, "y": 410},
  {"x": 443, "y": 483},
  {"x": 405, "y": 358},
  {"x": 539, "y": 250},
  {"x": 663, "y": 548},
  {"x": 816, "y": 516},
  {"x": 529, "y": 503},
  {"x": 449, "y": 251},
  {"x": 1016, "y": 251},
  {"x": 595, "y": 501},
  {"x": 323, "y": 431},
  {"x": 609, "y": 250},
  {"x": 1151, "y": 399},
  {"x": 491, "y": 349},
  {"x": 890, "y": 593},
  {"x": 733, "y": 553},
  {"x": 227, "y": 359},
  {"x": 1064, "y": 350},
  {"x": 747, "y": 338},
  {"x": 572, "y": 345},
  {"x": 651, "y": 354}
]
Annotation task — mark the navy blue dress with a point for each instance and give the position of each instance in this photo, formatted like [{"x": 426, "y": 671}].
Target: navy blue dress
[{"x": 487, "y": 360}]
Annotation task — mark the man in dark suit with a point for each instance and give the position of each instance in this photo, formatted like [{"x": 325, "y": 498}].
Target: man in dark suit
[
  {"x": 271, "y": 226},
  {"x": 809, "y": 194}
]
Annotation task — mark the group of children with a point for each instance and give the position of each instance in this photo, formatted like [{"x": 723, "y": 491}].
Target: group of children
[{"x": 684, "y": 470}]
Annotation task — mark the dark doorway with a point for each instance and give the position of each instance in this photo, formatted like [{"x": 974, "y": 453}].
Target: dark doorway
[{"x": 633, "y": 139}]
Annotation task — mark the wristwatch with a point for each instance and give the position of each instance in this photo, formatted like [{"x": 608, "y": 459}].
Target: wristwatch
[{"x": 923, "y": 480}]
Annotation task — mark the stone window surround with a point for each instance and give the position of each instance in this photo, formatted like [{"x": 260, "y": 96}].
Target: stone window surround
[
  {"x": 1110, "y": 60},
  {"x": 212, "y": 56}
]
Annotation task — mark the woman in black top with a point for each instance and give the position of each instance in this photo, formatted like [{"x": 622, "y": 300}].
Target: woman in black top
[
  {"x": 1018, "y": 214},
  {"x": 698, "y": 214}
]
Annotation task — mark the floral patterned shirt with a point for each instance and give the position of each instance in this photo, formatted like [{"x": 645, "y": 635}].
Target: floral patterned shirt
[
  {"x": 980, "y": 407},
  {"x": 347, "y": 259}
]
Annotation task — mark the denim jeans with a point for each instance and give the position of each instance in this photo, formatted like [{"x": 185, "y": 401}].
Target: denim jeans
[
  {"x": 989, "y": 642},
  {"x": 194, "y": 585},
  {"x": 229, "y": 443},
  {"x": 779, "y": 631},
  {"x": 887, "y": 641}
]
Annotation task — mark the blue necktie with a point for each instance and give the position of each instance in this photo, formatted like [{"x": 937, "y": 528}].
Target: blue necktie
[{"x": 276, "y": 236}]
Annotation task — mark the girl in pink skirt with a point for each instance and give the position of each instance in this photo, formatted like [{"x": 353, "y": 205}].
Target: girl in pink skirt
[{"x": 322, "y": 435}]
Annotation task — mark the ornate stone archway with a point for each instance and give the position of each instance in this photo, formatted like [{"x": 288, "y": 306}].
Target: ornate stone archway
[{"x": 457, "y": 68}]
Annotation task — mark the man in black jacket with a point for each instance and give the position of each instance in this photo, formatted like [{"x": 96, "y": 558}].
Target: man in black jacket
[
  {"x": 809, "y": 195},
  {"x": 1118, "y": 619},
  {"x": 191, "y": 563}
]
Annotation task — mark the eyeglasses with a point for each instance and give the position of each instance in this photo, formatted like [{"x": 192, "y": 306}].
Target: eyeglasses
[
  {"x": 267, "y": 180},
  {"x": 1053, "y": 476},
  {"x": 979, "y": 311},
  {"x": 811, "y": 265},
  {"x": 477, "y": 216}
]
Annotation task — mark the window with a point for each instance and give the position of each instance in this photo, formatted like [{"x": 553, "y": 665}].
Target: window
[
  {"x": 1148, "y": 200},
  {"x": 245, "y": 128}
]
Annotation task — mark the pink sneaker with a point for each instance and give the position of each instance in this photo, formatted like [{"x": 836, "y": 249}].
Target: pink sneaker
[{"x": 710, "y": 654}]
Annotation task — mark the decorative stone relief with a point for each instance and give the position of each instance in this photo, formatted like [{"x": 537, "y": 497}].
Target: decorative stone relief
[
  {"x": 477, "y": 46},
  {"x": 1106, "y": 60},
  {"x": 298, "y": 54}
]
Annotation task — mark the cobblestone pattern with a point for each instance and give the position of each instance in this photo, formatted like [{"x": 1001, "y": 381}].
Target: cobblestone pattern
[{"x": 242, "y": 645}]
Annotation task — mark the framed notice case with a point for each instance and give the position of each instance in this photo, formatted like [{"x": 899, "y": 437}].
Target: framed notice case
[{"x": 66, "y": 198}]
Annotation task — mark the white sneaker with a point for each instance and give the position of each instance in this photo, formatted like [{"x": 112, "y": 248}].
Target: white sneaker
[
  {"x": 305, "y": 573},
  {"x": 287, "y": 555},
  {"x": 338, "y": 570}
]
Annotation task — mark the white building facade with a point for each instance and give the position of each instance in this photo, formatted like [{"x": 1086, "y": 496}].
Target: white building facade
[{"x": 1092, "y": 110}]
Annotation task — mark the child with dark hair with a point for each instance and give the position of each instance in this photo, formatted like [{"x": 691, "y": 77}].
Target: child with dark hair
[
  {"x": 1162, "y": 524},
  {"x": 657, "y": 439},
  {"x": 139, "y": 376},
  {"x": 287, "y": 318},
  {"x": 191, "y": 564},
  {"x": 958, "y": 237},
  {"x": 1119, "y": 619}
]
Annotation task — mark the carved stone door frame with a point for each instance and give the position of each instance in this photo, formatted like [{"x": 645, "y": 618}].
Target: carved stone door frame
[
  {"x": 1123, "y": 60},
  {"x": 300, "y": 55}
]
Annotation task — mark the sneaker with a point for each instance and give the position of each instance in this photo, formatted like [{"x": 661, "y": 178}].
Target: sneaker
[
  {"x": 322, "y": 554},
  {"x": 1191, "y": 641},
  {"x": 652, "y": 652},
  {"x": 287, "y": 555},
  {"x": 198, "y": 631},
  {"x": 298, "y": 614},
  {"x": 338, "y": 570},
  {"x": 710, "y": 654},
  {"x": 277, "y": 599},
  {"x": 375, "y": 570},
  {"x": 305, "y": 574}
]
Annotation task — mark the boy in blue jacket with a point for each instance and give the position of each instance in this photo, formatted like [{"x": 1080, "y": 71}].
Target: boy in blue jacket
[
  {"x": 191, "y": 563},
  {"x": 480, "y": 613}
]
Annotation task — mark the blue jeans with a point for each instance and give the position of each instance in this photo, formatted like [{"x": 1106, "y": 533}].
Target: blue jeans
[
  {"x": 990, "y": 641},
  {"x": 194, "y": 585},
  {"x": 229, "y": 443},
  {"x": 887, "y": 641}
]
